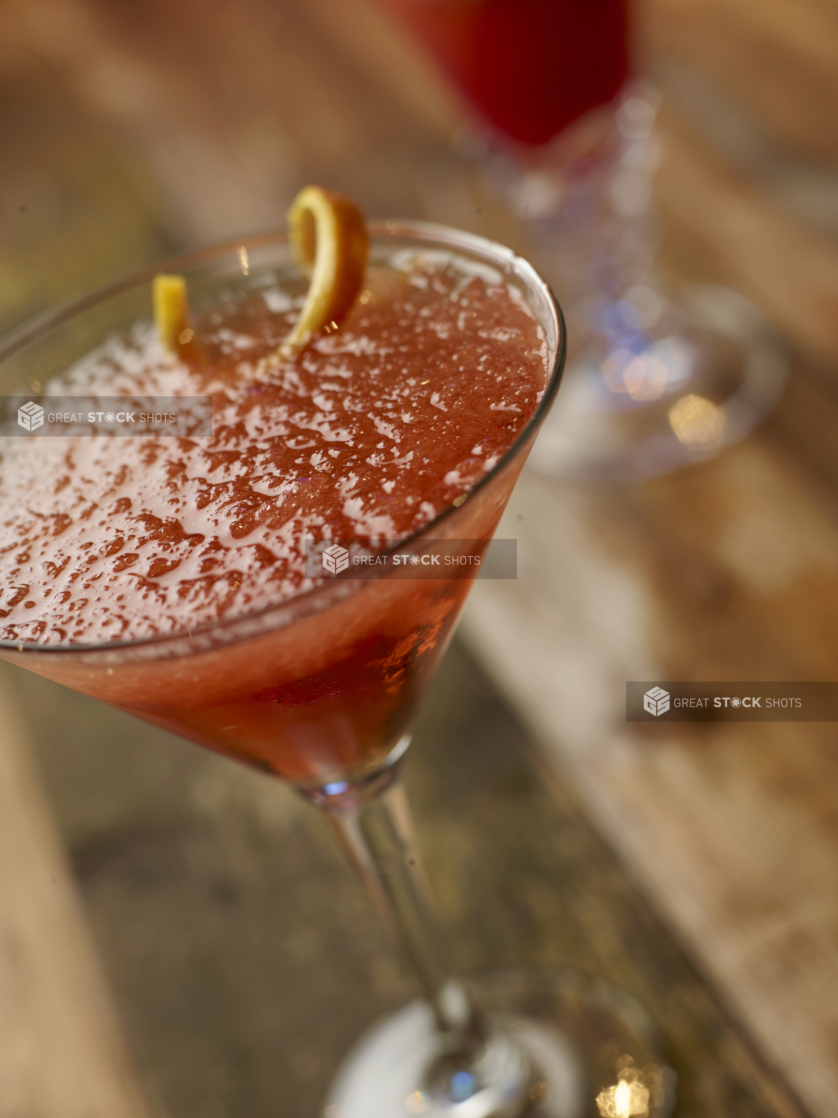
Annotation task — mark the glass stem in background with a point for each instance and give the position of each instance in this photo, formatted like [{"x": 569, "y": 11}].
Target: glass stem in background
[
  {"x": 586, "y": 203},
  {"x": 378, "y": 838},
  {"x": 656, "y": 379}
]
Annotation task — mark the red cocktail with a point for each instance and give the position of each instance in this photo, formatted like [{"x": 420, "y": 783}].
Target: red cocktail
[
  {"x": 532, "y": 67},
  {"x": 167, "y": 576}
]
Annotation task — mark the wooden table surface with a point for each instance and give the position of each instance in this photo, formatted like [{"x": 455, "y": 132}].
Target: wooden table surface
[{"x": 132, "y": 130}]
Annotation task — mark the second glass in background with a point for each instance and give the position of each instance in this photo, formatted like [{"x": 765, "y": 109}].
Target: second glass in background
[{"x": 564, "y": 133}]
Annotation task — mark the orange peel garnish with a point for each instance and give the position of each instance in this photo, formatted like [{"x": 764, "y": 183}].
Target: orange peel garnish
[
  {"x": 328, "y": 235},
  {"x": 172, "y": 317}
]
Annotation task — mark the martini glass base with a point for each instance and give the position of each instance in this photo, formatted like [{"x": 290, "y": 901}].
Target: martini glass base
[
  {"x": 560, "y": 1044},
  {"x": 680, "y": 396}
]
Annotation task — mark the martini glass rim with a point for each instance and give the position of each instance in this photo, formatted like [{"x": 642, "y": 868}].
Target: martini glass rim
[{"x": 428, "y": 233}]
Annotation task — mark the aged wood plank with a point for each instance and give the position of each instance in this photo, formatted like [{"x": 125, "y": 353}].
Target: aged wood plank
[
  {"x": 230, "y": 108},
  {"x": 61, "y": 1053},
  {"x": 65, "y": 194},
  {"x": 365, "y": 31},
  {"x": 725, "y": 571},
  {"x": 777, "y": 55},
  {"x": 221, "y": 164},
  {"x": 726, "y": 227}
]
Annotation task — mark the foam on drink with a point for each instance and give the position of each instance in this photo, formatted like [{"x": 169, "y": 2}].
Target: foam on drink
[{"x": 370, "y": 431}]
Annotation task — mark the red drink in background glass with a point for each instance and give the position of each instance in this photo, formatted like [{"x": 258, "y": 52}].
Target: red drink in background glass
[{"x": 532, "y": 67}]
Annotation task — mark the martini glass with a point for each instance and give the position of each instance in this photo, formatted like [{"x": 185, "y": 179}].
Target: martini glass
[
  {"x": 321, "y": 689},
  {"x": 563, "y": 133}
]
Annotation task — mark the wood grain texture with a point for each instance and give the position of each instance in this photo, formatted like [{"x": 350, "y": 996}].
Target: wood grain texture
[
  {"x": 778, "y": 56},
  {"x": 728, "y": 571},
  {"x": 61, "y": 1054},
  {"x": 723, "y": 225}
]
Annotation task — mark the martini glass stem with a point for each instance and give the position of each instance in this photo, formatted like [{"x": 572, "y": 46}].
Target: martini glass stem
[{"x": 378, "y": 838}]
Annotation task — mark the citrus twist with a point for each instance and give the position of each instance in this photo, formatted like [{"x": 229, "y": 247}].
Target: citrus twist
[
  {"x": 329, "y": 239},
  {"x": 172, "y": 318}
]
